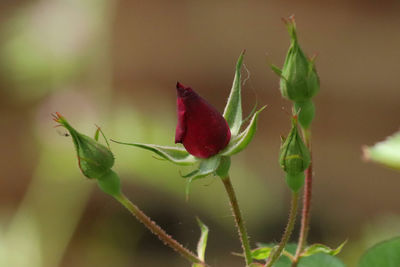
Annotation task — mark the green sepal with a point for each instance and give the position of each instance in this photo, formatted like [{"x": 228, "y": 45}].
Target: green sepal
[
  {"x": 202, "y": 244},
  {"x": 277, "y": 70},
  {"x": 295, "y": 181},
  {"x": 96, "y": 134},
  {"x": 233, "y": 108},
  {"x": 206, "y": 167},
  {"x": 110, "y": 184},
  {"x": 386, "y": 152},
  {"x": 320, "y": 248},
  {"x": 306, "y": 111},
  {"x": 175, "y": 155},
  {"x": 241, "y": 141}
]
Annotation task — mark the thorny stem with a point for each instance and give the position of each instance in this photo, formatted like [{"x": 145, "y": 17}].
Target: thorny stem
[
  {"x": 238, "y": 219},
  {"x": 288, "y": 230},
  {"x": 160, "y": 233},
  {"x": 305, "y": 216}
]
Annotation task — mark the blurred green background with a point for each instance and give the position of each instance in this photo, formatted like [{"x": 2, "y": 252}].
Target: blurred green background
[{"x": 115, "y": 63}]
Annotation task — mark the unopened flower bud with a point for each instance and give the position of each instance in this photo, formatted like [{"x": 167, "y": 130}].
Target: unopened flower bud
[
  {"x": 294, "y": 157},
  {"x": 94, "y": 159},
  {"x": 201, "y": 129},
  {"x": 299, "y": 78}
]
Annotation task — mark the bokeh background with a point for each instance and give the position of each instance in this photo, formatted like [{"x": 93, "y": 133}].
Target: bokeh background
[{"x": 115, "y": 63}]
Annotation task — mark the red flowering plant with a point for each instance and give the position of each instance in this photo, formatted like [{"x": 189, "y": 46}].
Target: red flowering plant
[{"x": 210, "y": 139}]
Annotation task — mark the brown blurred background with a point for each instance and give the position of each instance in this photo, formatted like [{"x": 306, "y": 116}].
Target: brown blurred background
[{"x": 115, "y": 63}]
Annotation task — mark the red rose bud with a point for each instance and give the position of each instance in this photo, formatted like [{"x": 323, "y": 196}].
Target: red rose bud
[{"x": 201, "y": 128}]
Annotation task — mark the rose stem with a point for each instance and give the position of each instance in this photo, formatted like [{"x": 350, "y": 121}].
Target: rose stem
[
  {"x": 305, "y": 216},
  {"x": 238, "y": 219},
  {"x": 155, "y": 229},
  {"x": 288, "y": 230}
]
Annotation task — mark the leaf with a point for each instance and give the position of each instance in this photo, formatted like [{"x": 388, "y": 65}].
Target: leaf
[
  {"x": 384, "y": 254},
  {"x": 386, "y": 152},
  {"x": 233, "y": 108},
  {"x": 320, "y": 248},
  {"x": 265, "y": 250},
  {"x": 240, "y": 142},
  {"x": 202, "y": 244},
  {"x": 319, "y": 260},
  {"x": 261, "y": 253},
  {"x": 175, "y": 155},
  {"x": 316, "y": 260}
]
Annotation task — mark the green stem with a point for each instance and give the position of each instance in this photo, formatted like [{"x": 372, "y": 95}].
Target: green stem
[
  {"x": 238, "y": 219},
  {"x": 288, "y": 230},
  {"x": 305, "y": 217},
  {"x": 155, "y": 229}
]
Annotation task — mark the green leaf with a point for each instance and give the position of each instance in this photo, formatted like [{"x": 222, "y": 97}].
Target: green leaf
[
  {"x": 384, "y": 254},
  {"x": 175, "y": 155},
  {"x": 241, "y": 141},
  {"x": 261, "y": 253},
  {"x": 316, "y": 260},
  {"x": 319, "y": 260},
  {"x": 233, "y": 108},
  {"x": 320, "y": 248},
  {"x": 284, "y": 260},
  {"x": 386, "y": 152},
  {"x": 202, "y": 244}
]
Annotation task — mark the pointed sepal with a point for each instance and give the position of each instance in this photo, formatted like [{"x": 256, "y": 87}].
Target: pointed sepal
[
  {"x": 175, "y": 155},
  {"x": 233, "y": 108},
  {"x": 241, "y": 141}
]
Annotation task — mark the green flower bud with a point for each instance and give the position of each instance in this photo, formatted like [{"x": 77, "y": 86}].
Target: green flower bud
[
  {"x": 294, "y": 157},
  {"x": 299, "y": 79},
  {"x": 95, "y": 160}
]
